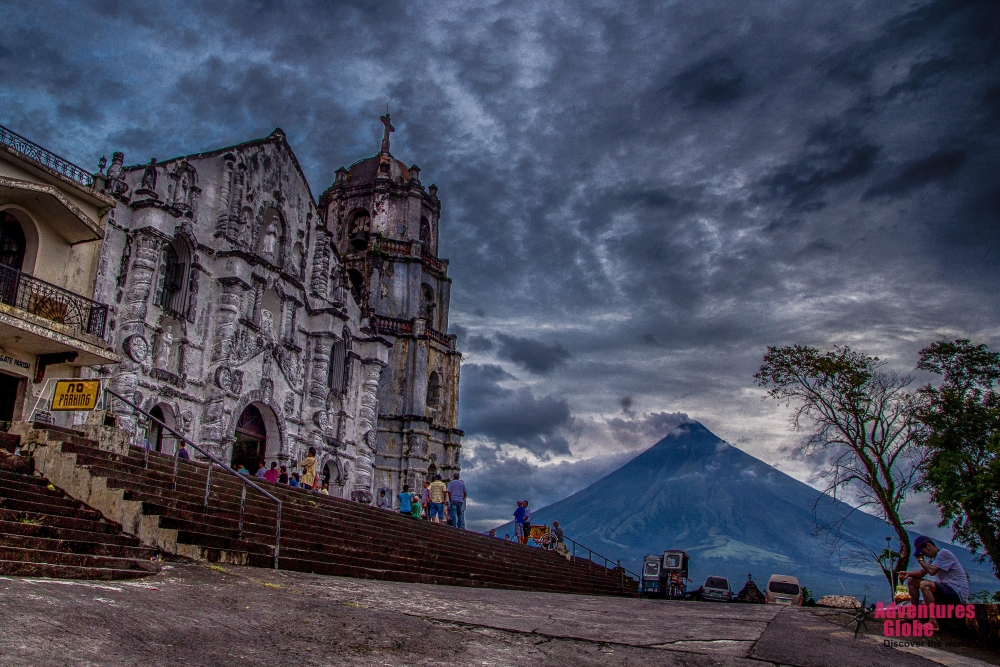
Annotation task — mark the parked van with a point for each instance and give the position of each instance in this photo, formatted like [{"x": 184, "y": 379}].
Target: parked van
[
  {"x": 717, "y": 588},
  {"x": 783, "y": 589}
]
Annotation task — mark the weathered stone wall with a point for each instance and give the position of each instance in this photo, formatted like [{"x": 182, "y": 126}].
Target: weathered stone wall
[{"x": 250, "y": 316}]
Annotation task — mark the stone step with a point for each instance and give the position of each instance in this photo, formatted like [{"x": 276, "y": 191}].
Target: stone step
[
  {"x": 76, "y": 546},
  {"x": 31, "y": 569},
  {"x": 18, "y": 528},
  {"x": 58, "y": 522},
  {"x": 10, "y": 553},
  {"x": 23, "y": 479},
  {"x": 34, "y": 505}
]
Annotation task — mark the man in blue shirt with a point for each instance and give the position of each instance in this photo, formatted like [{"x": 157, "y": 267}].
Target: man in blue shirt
[
  {"x": 457, "y": 496},
  {"x": 405, "y": 498},
  {"x": 519, "y": 523}
]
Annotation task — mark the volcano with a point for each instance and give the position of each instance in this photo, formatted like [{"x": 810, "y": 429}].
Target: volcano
[{"x": 733, "y": 514}]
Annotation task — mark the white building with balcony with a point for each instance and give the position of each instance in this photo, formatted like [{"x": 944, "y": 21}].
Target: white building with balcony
[{"x": 52, "y": 224}]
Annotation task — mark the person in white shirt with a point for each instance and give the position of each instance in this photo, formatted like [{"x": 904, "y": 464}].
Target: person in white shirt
[{"x": 951, "y": 587}]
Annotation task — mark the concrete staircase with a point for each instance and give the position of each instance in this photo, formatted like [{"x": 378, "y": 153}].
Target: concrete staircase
[
  {"x": 319, "y": 534},
  {"x": 43, "y": 533}
]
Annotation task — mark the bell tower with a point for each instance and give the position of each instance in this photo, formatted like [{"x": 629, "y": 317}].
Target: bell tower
[{"x": 385, "y": 228}]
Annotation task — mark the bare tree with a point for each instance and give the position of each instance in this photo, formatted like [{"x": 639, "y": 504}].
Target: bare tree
[{"x": 860, "y": 416}]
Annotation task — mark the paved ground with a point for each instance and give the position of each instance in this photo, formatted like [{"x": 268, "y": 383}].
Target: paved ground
[{"x": 204, "y": 615}]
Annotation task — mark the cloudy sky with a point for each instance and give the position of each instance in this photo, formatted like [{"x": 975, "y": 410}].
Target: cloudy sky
[{"x": 638, "y": 198}]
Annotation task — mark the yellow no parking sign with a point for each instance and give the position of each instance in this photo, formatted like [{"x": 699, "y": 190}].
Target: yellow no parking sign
[{"x": 76, "y": 394}]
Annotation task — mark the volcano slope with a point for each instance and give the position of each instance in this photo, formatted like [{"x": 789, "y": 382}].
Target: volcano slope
[{"x": 733, "y": 514}]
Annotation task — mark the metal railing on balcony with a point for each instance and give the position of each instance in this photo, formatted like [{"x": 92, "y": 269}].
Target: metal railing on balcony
[
  {"x": 53, "y": 303},
  {"x": 49, "y": 159}
]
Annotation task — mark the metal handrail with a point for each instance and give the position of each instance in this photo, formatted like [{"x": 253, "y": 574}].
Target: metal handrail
[
  {"x": 51, "y": 302},
  {"x": 592, "y": 553},
  {"x": 208, "y": 478},
  {"x": 32, "y": 150}
]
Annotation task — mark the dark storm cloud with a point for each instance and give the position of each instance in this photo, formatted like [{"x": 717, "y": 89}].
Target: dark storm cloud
[
  {"x": 711, "y": 82},
  {"x": 514, "y": 416},
  {"x": 532, "y": 355},
  {"x": 662, "y": 188},
  {"x": 831, "y": 156},
  {"x": 938, "y": 166}
]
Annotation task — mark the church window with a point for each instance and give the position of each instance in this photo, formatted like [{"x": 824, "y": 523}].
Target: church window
[
  {"x": 171, "y": 284},
  {"x": 434, "y": 390},
  {"x": 425, "y": 232},
  {"x": 338, "y": 365},
  {"x": 357, "y": 282},
  {"x": 12, "y": 242},
  {"x": 427, "y": 303},
  {"x": 359, "y": 230},
  {"x": 12, "y": 245}
]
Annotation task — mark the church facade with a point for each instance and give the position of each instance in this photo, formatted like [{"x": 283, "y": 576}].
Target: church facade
[{"x": 259, "y": 322}]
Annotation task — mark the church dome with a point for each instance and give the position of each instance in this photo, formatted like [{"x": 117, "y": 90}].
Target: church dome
[{"x": 364, "y": 171}]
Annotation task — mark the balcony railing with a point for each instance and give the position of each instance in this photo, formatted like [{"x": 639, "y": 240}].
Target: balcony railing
[
  {"x": 442, "y": 338},
  {"x": 392, "y": 326},
  {"x": 53, "y": 303},
  {"x": 47, "y": 158}
]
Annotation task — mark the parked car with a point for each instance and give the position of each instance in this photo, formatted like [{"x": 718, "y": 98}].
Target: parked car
[
  {"x": 783, "y": 589},
  {"x": 717, "y": 589}
]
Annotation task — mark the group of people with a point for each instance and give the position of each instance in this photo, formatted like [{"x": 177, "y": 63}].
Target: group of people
[
  {"x": 307, "y": 480},
  {"x": 438, "y": 503}
]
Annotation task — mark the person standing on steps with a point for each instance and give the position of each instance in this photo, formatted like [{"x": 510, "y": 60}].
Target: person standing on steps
[
  {"x": 272, "y": 474},
  {"x": 437, "y": 491},
  {"x": 261, "y": 471},
  {"x": 308, "y": 470},
  {"x": 456, "y": 500},
  {"x": 383, "y": 502},
  {"x": 405, "y": 498},
  {"x": 283, "y": 475},
  {"x": 415, "y": 506},
  {"x": 182, "y": 453},
  {"x": 519, "y": 523},
  {"x": 527, "y": 522},
  {"x": 425, "y": 501}
]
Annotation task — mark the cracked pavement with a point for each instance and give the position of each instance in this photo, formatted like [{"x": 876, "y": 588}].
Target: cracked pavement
[{"x": 210, "y": 615}]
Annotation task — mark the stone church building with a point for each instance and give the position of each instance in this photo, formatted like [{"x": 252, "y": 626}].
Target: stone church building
[{"x": 260, "y": 323}]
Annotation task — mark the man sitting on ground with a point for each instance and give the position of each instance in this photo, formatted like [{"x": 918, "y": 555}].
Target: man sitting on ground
[{"x": 951, "y": 587}]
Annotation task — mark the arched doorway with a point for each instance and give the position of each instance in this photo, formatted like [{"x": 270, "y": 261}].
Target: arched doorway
[
  {"x": 160, "y": 439},
  {"x": 155, "y": 434},
  {"x": 12, "y": 245},
  {"x": 250, "y": 444}
]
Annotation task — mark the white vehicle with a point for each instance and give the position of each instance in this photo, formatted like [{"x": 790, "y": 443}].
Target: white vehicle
[
  {"x": 783, "y": 589},
  {"x": 717, "y": 588}
]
